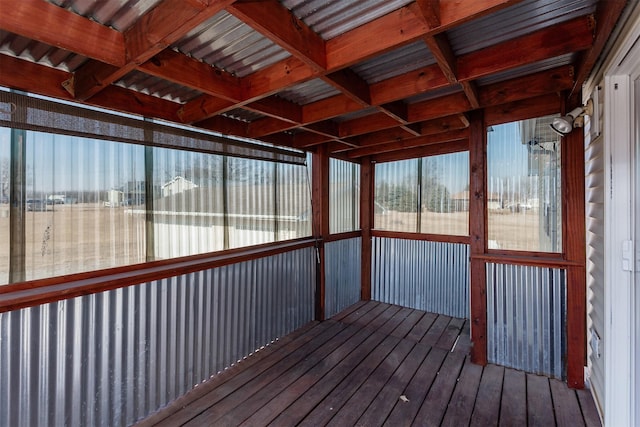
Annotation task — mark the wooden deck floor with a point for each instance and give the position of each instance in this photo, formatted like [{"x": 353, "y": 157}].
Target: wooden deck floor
[{"x": 377, "y": 364}]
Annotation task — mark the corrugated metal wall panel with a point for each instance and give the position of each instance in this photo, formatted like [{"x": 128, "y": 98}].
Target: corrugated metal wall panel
[
  {"x": 595, "y": 223},
  {"x": 431, "y": 276},
  {"x": 526, "y": 318},
  {"x": 342, "y": 274},
  {"x": 112, "y": 358}
]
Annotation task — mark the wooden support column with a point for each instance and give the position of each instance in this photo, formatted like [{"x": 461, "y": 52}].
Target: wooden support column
[
  {"x": 574, "y": 243},
  {"x": 477, "y": 233},
  {"x": 320, "y": 206},
  {"x": 367, "y": 171}
]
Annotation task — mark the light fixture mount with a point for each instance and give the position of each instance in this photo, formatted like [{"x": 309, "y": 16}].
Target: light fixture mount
[{"x": 565, "y": 124}]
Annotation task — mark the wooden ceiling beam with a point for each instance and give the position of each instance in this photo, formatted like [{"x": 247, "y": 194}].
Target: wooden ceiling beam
[
  {"x": 408, "y": 84},
  {"x": 400, "y": 27},
  {"x": 471, "y": 92},
  {"x": 379, "y": 137},
  {"x": 274, "y": 78},
  {"x": 152, "y": 33},
  {"x": 130, "y": 101},
  {"x": 550, "y": 81},
  {"x": 266, "y": 126},
  {"x": 351, "y": 84},
  {"x": 439, "y": 107},
  {"x": 524, "y": 109},
  {"x": 454, "y": 135},
  {"x": 366, "y": 124},
  {"x": 329, "y": 108},
  {"x": 424, "y": 151},
  {"x": 204, "y": 107},
  {"x": 277, "y": 23},
  {"x": 56, "y": 26},
  {"x": 326, "y": 128},
  {"x": 441, "y": 50},
  {"x": 566, "y": 37},
  {"x": 278, "y": 108},
  {"x": 304, "y": 140},
  {"x": 225, "y": 126},
  {"x": 430, "y": 11},
  {"x": 607, "y": 14},
  {"x": 185, "y": 71}
]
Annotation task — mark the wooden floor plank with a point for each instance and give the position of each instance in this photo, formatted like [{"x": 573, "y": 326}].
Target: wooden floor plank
[
  {"x": 238, "y": 406},
  {"x": 463, "y": 399},
  {"x": 450, "y": 334},
  {"x": 307, "y": 343},
  {"x": 437, "y": 328},
  {"x": 539, "y": 404},
  {"x": 334, "y": 401},
  {"x": 513, "y": 408},
  {"x": 353, "y": 371},
  {"x": 347, "y": 311},
  {"x": 383, "y": 404},
  {"x": 307, "y": 401},
  {"x": 362, "y": 398},
  {"x": 487, "y": 407},
  {"x": 407, "y": 324},
  {"x": 589, "y": 409},
  {"x": 404, "y": 412},
  {"x": 565, "y": 404},
  {"x": 435, "y": 404},
  {"x": 207, "y": 386},
  {"x": 421, "y": 328}
]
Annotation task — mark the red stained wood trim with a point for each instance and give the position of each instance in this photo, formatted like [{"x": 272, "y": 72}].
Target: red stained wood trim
[
  {"x": 444, "y": 238},
  {"x": 56, "y": 26},
  {"x": 570, "y": 36},
  {"x": 607, "y": 14},
  {"x": 306, "y": 139},
  {"x": 342, "y": 236},
  {"x": 278, "y": 108},
  {"x": 367, "y": 179},
  {"x": 441, "y": 49},
  {"x": 274, "y": 21},
  {"x": 471, "y": 93},
  {"x": 28, "y": 294},
  {"x": 425, "y": 151},
  {"x": 478, "y": 236},
  {"x": 455, "y": 135},
  {"x": 521, "y": 259},
  {"x": 574, "y": 245},
  {"x": 131, "y": 101},
  {"x": 225, "y": 126},
  {"x": 268, "y": 125},
  {"x": 93, "y": 77},
  {"x": 320, "y": 209},
  {"x": 524, "y": 109},
  {"x": 350, "y": 84}
]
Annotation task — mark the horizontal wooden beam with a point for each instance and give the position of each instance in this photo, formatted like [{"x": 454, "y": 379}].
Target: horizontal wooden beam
[
  {"x": 566, "y": 37},
  {"x": 367, "y": 124},
  {"x": 524, "y": 109},
  {"x": 274, "y": 78},
  {"x": 439, "y": 107},
  {"x": 204, "y": 107},
  {"x": 409, "y": 143},
  {"x": 424, "y": 151},
  {"x": 53, "y": 25},
  {"x": 225, "y": 126},
  {"x": 34, "y": 78},
  {"x": 329, "y": 108},
  {"x": 408, "y": 84},
  {"x": 274, "y": 21}
]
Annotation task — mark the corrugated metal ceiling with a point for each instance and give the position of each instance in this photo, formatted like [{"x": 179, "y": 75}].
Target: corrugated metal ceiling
[
  {"x": 160, "y": 88},
  {"x": 520, "y": 19},
  {"x": 231, "y": 45},
  {"x": 308, "y": 92},
  {"x": 400, "y": 61},
  {"x": 330, "y": 18},
  {"x": 243, "y": 115},
  {"x": 31, "y": 50},
  {"x": 432, "y": 94},
  {"x": 119, "y": 14}
]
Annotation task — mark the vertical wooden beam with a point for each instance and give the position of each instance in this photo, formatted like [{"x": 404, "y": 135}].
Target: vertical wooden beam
[
  {"x": 574, "y": 243},
  {"x": 367, "y": 171},
  {"x": 477, "y": 232},
  {"x": 320, "y": 206}
]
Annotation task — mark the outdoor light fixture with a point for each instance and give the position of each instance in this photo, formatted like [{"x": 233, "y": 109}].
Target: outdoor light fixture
[{"x": 575, "y": 119}]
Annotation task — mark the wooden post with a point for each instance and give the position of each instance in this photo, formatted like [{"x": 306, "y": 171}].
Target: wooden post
[
  {"x": 477, "y": 233},
  {"x": 320, "y": 206},
  {"x": 574, "y": 243},
  {"x": 366, "y": 224}
]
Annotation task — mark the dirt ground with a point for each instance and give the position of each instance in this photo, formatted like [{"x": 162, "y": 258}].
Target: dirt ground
[{"x": 84, "y": 237}]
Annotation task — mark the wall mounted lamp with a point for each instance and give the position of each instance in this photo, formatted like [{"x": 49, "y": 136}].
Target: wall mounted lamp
[{"x": 575, "y": 119}]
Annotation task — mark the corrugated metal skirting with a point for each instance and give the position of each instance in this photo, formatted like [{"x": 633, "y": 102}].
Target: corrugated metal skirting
[
  {"x": 430, "y": 276},
  {"x": 111, "y": 358},
  {"x": 342, "y": 274},
  {"x": 526, "y": 318}
]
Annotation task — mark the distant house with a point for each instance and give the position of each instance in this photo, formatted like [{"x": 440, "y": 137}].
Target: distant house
[
  {"x": 460, "y": 201},
  {"x": 177, "y": 185},
  {"x": 114, "y": 198}
]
